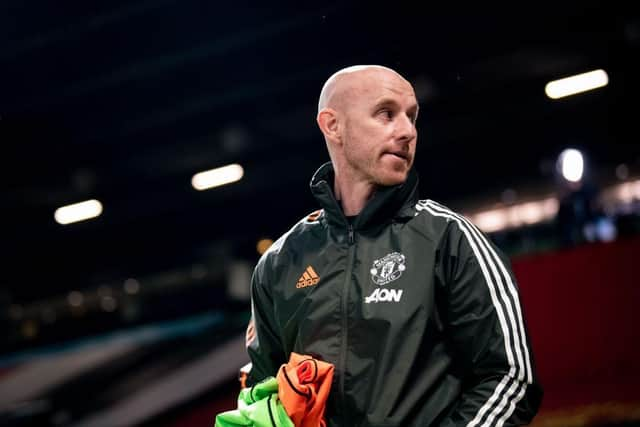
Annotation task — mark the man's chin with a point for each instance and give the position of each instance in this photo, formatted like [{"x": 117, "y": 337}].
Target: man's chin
[
  {"x": 391, "y": 179},
  {"x": 392, "y": 170}
]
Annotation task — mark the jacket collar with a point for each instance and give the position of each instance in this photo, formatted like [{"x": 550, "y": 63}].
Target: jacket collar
[{"x": 388, "y": 203}]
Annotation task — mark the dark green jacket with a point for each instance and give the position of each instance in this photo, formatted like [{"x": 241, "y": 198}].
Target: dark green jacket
[{"x": 416, "y": 309}]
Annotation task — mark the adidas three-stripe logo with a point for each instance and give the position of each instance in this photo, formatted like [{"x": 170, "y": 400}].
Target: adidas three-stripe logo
[{"x": 308, "y": 278}]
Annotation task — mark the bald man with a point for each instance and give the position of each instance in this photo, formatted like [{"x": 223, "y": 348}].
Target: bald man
[{"x": 413, "y": 305}]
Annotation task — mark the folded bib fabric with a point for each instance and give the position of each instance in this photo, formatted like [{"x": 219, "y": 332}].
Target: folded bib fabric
[
  {"x": 257, "y": 406},
  {"x": 303, "y": 387}
]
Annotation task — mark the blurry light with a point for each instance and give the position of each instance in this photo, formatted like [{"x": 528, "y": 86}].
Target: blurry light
[
  {"x": 263, "y": 245},
  {"x": 239, "y": 280},
  {"x": 625, "y": 192},
  {"x": 29, "y": 329},
  {"x": 635, "y": 189},
  {"x": 571, "y": 164},
  {"x": 622, "y": 172},
  {"x": 513, "y": 217},
  {"x": 75, "y": 299},
  {"x": 576, "y": 84},
  {"x": 517, "y": 215},
  {"x": 531, "y": 212},
  {"x": 606, "y": 230},
  {"x": 108, "y": 303},
  {"x": 550, "y": 207},
  {"x": 131, "y": 286},
  {"x": 217, "y": 177},
  {"x": 78, "y": 212},
  {"x": 491, "y": 221}
]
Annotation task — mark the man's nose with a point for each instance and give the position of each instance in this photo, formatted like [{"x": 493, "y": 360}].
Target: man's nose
[{"x": 405, "y": 128}]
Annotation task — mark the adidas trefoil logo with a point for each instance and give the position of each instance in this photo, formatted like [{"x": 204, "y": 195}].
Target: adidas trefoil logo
[{"x": 308, "y": 278}]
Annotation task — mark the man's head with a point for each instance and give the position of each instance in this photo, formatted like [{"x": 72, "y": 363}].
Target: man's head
[{"x": 367, "y": 115}]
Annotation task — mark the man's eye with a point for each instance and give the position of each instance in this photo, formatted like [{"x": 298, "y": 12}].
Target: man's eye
[{"x": 388, "y": 114}]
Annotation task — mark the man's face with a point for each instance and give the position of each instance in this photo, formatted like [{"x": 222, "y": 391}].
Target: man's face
[{"x": 379, "y": 133}]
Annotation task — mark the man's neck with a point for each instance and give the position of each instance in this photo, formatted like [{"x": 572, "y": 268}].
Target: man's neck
[{"x": 353, "y": 195}]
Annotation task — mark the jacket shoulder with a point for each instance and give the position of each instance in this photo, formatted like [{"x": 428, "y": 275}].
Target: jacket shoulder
[
  {"x": 434, "y": 215},
  {"x": 458, "y": 234},
  {"x": 440, "y": 214},
  {"x": 440, "y": 222},
  {"x": 282, "y": 247}
]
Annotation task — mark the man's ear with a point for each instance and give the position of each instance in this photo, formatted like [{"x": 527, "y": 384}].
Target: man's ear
[{"x": 329, "y": 125}]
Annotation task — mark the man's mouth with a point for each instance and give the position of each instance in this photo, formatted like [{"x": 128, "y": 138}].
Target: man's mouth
[{"x": 400, "y": 155}]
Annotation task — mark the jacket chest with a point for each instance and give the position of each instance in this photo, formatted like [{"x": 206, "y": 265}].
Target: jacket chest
[{"x": 387, "y": 278}]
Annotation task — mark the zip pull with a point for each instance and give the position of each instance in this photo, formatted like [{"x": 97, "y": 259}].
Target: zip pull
[{"x": 351, "y": 234}]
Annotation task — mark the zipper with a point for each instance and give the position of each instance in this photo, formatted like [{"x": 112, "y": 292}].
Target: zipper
[{"x": 345, "y": 308}]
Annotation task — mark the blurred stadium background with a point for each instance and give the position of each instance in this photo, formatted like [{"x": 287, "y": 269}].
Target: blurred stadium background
[{"x": 137, "y": 315}]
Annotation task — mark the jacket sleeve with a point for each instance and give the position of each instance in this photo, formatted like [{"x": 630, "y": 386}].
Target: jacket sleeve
[
  {"x": 485, "y": 329},
  {"x": 262, "y": 340}
]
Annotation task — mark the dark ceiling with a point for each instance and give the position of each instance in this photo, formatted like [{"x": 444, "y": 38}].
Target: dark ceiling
[{"x": 125, "y": 101}]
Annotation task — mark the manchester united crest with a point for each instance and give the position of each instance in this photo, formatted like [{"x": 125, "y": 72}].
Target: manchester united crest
[{"x": 388, "y": 268}]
